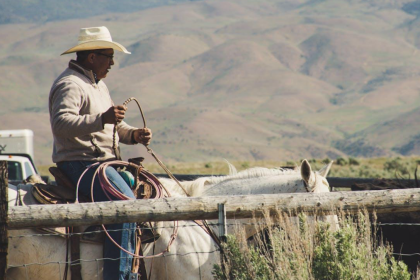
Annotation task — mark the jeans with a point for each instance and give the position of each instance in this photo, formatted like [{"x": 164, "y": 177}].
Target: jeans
[{"x": 117, "y": 264}]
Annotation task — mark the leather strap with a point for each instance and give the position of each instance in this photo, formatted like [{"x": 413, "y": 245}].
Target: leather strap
[{"x": 138, "y": 265}]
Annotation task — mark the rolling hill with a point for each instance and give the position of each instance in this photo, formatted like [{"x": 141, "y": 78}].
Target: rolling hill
[{"x": 254, "y": 80}]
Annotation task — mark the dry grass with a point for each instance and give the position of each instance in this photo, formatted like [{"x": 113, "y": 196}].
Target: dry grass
[
  {"x": 300, "y": 249},
  {"x": 359, "y": 168}
]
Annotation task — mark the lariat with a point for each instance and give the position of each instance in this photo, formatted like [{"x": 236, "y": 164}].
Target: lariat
[{"x": 149, "y": 150}]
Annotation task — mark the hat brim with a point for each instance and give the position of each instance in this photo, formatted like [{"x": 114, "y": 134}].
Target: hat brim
[{"x": 97, "y": 45}]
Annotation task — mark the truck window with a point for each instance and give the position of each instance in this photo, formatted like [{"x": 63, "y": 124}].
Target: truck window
[
  {"x": 28, "y": 170},
  {"x": 15, "y": 171}
]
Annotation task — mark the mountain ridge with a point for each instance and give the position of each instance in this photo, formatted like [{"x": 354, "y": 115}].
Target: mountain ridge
[{"x": 253, "y": 80}]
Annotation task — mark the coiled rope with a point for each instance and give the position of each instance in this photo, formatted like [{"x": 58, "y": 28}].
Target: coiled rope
[{"x": 110, "y": 192}]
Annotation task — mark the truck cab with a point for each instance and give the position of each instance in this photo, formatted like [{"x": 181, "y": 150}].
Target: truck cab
[
  {"x": 16, "y": 147},
  {"x": 19, "y": 166}
]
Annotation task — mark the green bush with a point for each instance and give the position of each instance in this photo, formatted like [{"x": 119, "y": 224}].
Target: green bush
[
  {"x": 245, "y": 165},
  {"x": 326, "y": 161},
  {"x": 341, "y": 161},
  {"x": 396, "y": 165},
  {"x": 350, "y": 254},
  {"x": 290, "y": 163},
  {"x": 239, "y": 266},
  {"x": 353, "y": 161},
  {"x": 307, "y": 250}
]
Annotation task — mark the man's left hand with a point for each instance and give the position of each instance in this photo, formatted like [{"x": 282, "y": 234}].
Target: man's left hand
[{"x": 143, "y": 136}]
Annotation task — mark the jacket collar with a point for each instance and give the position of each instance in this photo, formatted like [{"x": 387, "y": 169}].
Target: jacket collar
[{"x": 73, "y": 65}]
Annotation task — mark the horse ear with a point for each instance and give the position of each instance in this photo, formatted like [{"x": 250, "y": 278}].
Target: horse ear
[
  {"x": 324, "y": 170},
  {"x": 305, "y": 170}
]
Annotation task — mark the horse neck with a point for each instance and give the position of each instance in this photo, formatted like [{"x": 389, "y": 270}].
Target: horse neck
[
  {"x": 267, "y": 184},
  {"x": 193, "y": 188},
  {"x": 273, "y": 179}
]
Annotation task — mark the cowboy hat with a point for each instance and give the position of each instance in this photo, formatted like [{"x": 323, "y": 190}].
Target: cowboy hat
[{"x": 95, "y": 38}]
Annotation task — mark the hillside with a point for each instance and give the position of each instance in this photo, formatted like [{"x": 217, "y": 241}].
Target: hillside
[
  {"x": 19, "y": 11},
  {"x": 241, "y": 80}
]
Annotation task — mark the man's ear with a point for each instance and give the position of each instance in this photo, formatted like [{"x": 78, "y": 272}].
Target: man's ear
[{"x": 90, "y": 58}]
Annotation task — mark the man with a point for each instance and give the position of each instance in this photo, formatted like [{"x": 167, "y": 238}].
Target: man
[{"x": 82, "y": 117}]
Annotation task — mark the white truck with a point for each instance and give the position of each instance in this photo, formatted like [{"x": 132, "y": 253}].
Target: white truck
[{"x": 16, "y": 147}]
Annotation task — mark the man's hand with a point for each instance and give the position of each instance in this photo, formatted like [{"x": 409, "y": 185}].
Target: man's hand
[
  {"x": 143, "y": 136},
  {"x": 114, "y": 114}
]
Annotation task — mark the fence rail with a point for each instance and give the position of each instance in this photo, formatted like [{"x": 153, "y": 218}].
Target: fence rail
[{"x": 197, "y": 208}]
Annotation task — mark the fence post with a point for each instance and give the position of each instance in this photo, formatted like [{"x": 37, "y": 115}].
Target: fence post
[
  {"x": 222, "y": 236},
  {"x": 222, "y": 222},
  {"x": 4, "y": 241}
]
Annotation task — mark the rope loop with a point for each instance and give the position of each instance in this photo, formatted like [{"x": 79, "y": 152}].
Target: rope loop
[
  {"x": 149, "y": 150},
  {"x": 109, "y": 191}
]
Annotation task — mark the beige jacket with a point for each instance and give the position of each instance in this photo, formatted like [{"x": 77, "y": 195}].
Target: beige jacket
[{"x": 76, "y": 104}]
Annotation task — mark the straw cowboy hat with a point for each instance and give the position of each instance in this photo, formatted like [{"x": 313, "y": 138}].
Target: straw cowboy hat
[{"x": 95, "y": 38}]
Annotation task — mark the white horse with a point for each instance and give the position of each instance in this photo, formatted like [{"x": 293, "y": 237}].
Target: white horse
[{"x": 191, "y": 256}]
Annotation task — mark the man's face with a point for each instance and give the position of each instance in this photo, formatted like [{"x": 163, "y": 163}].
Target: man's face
[{"x": 102, "y": 62}]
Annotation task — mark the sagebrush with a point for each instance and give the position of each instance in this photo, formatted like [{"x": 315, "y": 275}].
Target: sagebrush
[{"x": 298, "y": 248}]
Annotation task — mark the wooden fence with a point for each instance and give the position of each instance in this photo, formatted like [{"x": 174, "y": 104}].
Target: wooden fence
[
  {"x": 193, "y": 208},
  {"x": 198, "y": 208},
  {"x": 4, "y": 238}
]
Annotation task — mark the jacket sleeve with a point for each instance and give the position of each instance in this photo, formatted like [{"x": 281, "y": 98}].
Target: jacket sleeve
[
  {"x": 65, "y": 102},
  {"x": 125, "y": 133}
]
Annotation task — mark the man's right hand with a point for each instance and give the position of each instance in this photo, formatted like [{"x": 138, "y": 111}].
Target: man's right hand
[{"x": 114, "y": 114}]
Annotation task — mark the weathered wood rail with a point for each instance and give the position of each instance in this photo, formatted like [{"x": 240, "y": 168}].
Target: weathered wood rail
[{"x": 195, "y": 208}]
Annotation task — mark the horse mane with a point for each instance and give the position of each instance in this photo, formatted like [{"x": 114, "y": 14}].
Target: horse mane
[
  {"x": 198, "y": 186},
  {"x": 253, "y": 173}
]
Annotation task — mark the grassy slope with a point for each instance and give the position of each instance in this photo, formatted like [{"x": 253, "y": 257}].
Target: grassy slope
[
  {"x": 398, "y": 167},
  {"x": 242, "y": 80}
]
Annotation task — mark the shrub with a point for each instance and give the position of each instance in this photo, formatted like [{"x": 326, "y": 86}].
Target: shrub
[
  {"x": 396, "y": 165},
  {"x": 341, "y": 161},
  {"x": 353, "y": 161},
  {"x": 306, "y": 250},
  {"x": 241, "y": 263},
  {"x": 326, "y": 161}
]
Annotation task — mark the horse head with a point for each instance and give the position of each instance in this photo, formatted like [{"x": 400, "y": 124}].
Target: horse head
[{"x": 315, "y": 181}]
